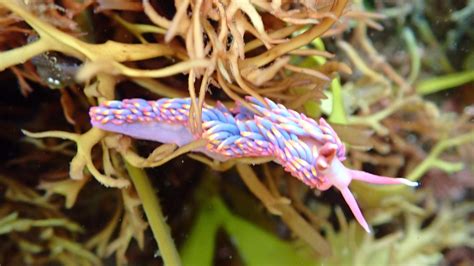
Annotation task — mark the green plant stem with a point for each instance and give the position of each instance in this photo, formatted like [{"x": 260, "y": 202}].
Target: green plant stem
[
  {"x": 410, "y": 41},
  {"x": 154, "y": 214},
  {"x": 432, "y": 159},
  {"x": 445, "y": 82},
  {"x": 338, "y": 114},
  {"x": 319, "y": 44},
  {"x": 428, "y": 36},
  {"x": 297, "y": 224},
  {"x": 373, "y": 120}
]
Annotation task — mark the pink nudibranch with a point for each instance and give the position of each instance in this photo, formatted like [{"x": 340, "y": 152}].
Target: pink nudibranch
[{"x": 310, "y": 151}]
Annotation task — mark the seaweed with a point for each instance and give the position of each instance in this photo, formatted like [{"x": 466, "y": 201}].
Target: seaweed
[{"x": 394, "y": 78}]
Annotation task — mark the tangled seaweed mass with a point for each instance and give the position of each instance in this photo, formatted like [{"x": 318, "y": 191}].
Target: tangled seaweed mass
[
  {"x": 216, "y": 124},
  {"x": 310, "y": 151}
]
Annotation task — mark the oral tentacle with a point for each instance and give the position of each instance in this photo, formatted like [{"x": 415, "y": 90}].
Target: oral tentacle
[
  {"x": 383, "y": 180},
  {"x": 350, "y": 200}
]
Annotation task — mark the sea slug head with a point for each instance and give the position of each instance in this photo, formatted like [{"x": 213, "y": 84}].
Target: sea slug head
[
  {"x": 329, "y": 153},
  {"x": 333, "y": 173},
  {"x": 337, "y": 175}
]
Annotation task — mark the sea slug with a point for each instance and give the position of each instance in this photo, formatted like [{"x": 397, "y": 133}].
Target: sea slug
[{"x": 308, "y": 150}]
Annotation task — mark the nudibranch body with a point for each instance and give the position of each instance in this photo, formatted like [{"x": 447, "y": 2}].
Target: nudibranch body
[{"x": 310, "y": 151}]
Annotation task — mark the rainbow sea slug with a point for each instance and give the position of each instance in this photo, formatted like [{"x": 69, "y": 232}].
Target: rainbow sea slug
[{"x": 308, "y": 150}]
